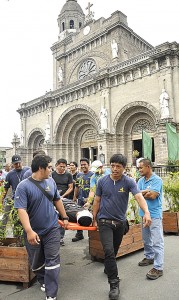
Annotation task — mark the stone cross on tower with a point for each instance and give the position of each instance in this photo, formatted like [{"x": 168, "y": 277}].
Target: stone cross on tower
[
  {"x": 88, "y": 7},
  {"x": 90, "y": 14}
]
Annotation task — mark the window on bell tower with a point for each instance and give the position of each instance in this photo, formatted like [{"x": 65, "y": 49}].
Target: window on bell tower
[
  {"x": 71, "y": 24},
  {"x": 63, "y": 26}
]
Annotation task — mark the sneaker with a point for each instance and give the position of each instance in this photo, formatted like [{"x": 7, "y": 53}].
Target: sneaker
[
  {"x": 42, "y": 287},
  {"x": 154, "y": 274},
  {"x": 146, "y": 262},
  {"x": 51, "y": 298},
  {"x": 62, "y": 243},
  {"x": 77, "y": 238}
]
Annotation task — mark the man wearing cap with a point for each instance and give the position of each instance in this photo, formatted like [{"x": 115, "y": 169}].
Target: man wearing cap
[{"x": 12, "y": 180}]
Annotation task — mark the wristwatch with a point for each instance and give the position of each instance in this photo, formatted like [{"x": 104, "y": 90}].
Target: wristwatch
[{"x": 65, "y": 218}]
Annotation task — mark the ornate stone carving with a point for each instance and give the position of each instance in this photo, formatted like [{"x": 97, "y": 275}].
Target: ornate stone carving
[
  {"x": 77, "y": 108},
  {"x": 142, "y": 104},
  {"x": 143, "y": 124}
]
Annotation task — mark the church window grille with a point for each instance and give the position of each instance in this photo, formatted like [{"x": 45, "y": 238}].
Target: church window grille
[
  {"x": 87, "y": 68},
  {"x": 71, "y": 24}
]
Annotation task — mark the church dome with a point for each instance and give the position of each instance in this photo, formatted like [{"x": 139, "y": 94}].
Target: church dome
[{"x": 71, "y": 5}]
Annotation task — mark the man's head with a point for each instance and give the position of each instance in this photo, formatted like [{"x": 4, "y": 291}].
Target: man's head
[
  {"x": 41, "y": 165},
  {"x": 38, "y": 152},
  {"x": 84, "y": 217},
  {"x": 17, "y": 162},
  {"x": 97, "y": 167},
  {"x": 84, "y": 163},
  {"x": 145, "y": 167},
  {"x": 61, "y": 165},
  {"x": 73, "y": 167},
  {"x": 118, "y": 163},
  {"x": 7, "y": 167}
]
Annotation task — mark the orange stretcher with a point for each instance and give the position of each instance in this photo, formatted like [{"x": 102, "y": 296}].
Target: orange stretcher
[{"x": 76, "y": 226}]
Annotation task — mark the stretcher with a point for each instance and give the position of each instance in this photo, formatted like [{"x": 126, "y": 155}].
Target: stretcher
[{"x": 76, "y": 226}]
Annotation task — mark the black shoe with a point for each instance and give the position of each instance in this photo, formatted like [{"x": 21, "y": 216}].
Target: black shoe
[
  {"x": 77, "y": 238},
  {"x": 114, "y": 289},
  {"x": 146, "y": 262}
]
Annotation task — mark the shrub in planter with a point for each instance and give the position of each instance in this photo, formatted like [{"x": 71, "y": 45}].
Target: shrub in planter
[
  {"x": 13, "y": 255},
  {"x": 171, "y": 194},
  {"x": 171, "y": 191}
]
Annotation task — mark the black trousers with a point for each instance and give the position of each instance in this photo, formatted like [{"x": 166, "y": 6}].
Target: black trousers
[{"x": 111, "y": 238}]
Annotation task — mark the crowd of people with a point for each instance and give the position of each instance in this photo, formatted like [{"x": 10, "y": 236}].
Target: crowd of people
[{"x": 88, "y": 194}]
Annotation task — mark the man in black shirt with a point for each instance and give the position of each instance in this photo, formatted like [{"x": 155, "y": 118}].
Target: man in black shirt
[{"x": 64, "y": 182}]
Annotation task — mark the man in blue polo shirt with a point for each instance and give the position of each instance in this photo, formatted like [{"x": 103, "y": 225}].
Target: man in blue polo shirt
[
  {"x": 151, "y": 187},
  {"x": 109, "y": 211}
]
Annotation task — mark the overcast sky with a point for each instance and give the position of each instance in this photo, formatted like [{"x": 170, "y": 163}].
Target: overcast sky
[{"x": 28, "y": 30}]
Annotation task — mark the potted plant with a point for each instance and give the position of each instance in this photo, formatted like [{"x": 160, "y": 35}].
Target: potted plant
[
  {"x": 171, "y": 195},
  {"x": 13, "y": 255},
  {"x": 131, "y": 242}
]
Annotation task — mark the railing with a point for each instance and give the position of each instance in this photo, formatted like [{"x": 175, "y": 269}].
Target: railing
[{"x": 163, "y": 171}]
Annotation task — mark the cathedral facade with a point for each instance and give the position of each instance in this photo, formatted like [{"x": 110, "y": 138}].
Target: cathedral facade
[{"x": 109, "y": 84}]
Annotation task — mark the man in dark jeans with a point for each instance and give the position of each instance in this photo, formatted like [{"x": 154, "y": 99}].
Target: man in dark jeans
[
  {"x": 109, "y": 210},
  {"x": 82, "y": 189}
]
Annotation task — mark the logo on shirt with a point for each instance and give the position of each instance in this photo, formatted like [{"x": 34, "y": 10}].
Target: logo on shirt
[
  {"x": 121, "y": 190},
  {"x": 47, "y": 189}
]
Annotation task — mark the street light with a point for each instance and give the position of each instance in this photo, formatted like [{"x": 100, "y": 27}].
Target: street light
[{"x": 15, "y": 142}]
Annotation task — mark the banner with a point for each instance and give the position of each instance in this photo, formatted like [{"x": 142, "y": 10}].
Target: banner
[
  {"x": 173, "y": 142},
  {"x": 146, "y": 145}
]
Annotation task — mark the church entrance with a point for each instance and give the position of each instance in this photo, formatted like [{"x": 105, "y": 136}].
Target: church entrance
[
  {"x": 137, "y": 145},
  {"x": 89, "y": 148},
  {"x": 90, "y": 153}
]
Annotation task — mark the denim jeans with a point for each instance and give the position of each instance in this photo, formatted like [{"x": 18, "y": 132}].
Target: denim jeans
[
  {"x": 111, "y": 238},
  {"x": 154, "y": 243}
]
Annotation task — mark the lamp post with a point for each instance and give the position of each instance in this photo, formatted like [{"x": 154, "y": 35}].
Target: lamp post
[{"x": 15, "y": 142}]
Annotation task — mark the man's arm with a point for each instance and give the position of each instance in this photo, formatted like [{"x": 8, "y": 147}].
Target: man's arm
[
  {"x": 32, "y": 236},
  {"x": 96, "y": 205},
  {"x": 60, "y": 207},
  {"x": 76, "y": 192},
  {"x": 143, "y": 205},
  {"x": 148, "y": 194},
  {"x": 70, "y": 189}
]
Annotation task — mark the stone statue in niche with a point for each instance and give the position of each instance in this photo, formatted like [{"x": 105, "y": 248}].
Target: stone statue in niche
[
  {"x": 164, "y": 104},
  {"x": 114, "y": 48},
  {"x": 104, "y": 118},
  {"x": 47, "y": 133},
  {"x": 60, "y": 74}
]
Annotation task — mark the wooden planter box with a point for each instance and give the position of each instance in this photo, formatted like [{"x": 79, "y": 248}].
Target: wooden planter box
[
  {"x": 14, "y": 264},
  {"x": 131, "y": 242},
  {"x": 171, "y": 222}
]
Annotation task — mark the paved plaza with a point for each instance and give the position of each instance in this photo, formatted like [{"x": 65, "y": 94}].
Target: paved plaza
[{"x": 83, "y": 279}]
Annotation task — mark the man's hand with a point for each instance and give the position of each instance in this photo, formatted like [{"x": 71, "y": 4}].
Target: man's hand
[
  {"x": 65, "y": 222},
  {"x": 33, "y": 237},
  {"x": 147, "y": 219}
]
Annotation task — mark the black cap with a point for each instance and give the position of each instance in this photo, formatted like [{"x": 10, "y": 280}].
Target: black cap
[{"x": 16, "y": 159}]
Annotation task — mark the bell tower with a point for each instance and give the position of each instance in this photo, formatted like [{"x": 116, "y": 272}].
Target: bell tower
[{"x": 71, "y": 19}]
